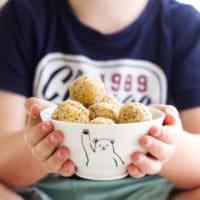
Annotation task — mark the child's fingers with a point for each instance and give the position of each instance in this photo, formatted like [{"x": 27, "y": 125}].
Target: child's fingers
[
  {"x": 135, "y": 172},
  {"x": 170, "y": 118},
  {"x": 35, "y": 105},
  {"x": 46, "y": 146},
  {"x": 166, "y": 108},
  {"x": 159, "y": 143},
  {"x": 35, "y": 133},
  {"x": 33, "y": 108},
  {"x": 171, "y": 113},
  {"x": 157, "y": 148},
  {"x": 68, "y": 168},
  {"x": 56, "y": 160},
  {"x": 146, "y": 164},
  {"x": 166, "y": 134}
]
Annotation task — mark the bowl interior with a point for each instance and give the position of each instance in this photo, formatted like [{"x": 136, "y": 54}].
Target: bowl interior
[{"x": 156, "y": 114}]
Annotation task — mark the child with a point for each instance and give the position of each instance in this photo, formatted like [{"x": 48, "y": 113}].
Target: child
[{"x": 143, "y": 50}]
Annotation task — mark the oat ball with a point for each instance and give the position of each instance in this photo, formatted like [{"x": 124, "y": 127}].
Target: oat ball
[
  {"x": 111, "y": 99},
  {"x": 87, "y": 90},
  {"x": 103, "y": 109},
  {"x": 134, "y": 112},
  {"x": 71, "y": 111},
  {"x": 102, "y": 120}
]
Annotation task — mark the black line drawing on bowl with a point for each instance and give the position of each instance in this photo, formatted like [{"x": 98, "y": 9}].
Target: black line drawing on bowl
[{"x": 100, "y": 151}]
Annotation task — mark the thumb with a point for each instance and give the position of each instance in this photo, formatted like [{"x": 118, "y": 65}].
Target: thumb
[
  {"x": 171, "y": 113},
  {"x": 33, "y": 108}
]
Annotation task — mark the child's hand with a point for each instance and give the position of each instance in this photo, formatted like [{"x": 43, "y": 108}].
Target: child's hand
[
  {"x": 160, "y": 144},
  {"x": 45, "y": 142}
]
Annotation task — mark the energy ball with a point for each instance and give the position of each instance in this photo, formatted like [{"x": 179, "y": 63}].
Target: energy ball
[
  {"x": 71, "y": 111},
  {"x": 134, "y": 112},
  {"x": 102, "y": 120},
  {"x": 103, "y": 109},
  {"x": 87, "y": 90},
  {"x": 111, "y": 99}
]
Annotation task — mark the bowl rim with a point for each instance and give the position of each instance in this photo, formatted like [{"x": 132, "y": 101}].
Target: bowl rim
[{"x": 46, "y": 113}]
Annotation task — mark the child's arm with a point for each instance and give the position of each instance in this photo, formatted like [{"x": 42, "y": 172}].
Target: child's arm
[
  {"x": 17, "y": 165},
  {"x": 183, "y": 168},
  {"x": 190, "y": 120}
]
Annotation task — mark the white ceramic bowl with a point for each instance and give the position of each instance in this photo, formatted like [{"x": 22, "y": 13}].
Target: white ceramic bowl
[{"x": 102, "y": 152}]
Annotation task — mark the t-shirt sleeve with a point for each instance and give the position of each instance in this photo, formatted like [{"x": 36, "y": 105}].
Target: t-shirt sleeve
[
  {"x": 15, "y": 49},
  {"x": 185, "y": 82}
]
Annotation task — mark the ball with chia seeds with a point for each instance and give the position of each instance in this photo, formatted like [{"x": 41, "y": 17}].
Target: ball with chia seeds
[
  {"x": 101, "y": 120},
  {"x": 134, "y": 112},
  {"x": 111, "y": 99},
  {"x": 87, "y": 90},
  {"x": 71, "y": 111},
  {"x": 104, "y": 109}
]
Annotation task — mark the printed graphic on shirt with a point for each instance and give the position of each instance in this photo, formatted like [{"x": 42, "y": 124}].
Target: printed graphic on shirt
[{"x": 126, "y": 79}]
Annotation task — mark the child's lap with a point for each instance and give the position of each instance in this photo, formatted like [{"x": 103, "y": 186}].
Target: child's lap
[{"x": 74, "y": 188}]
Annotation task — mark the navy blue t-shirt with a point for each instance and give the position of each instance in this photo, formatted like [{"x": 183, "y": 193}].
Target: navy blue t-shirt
[{"x": 43, "y": 47}]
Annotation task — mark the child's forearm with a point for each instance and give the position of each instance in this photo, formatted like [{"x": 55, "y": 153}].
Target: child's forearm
[
  {"x": 18, "y": 168},
  {"x": 183, "y": 168}
]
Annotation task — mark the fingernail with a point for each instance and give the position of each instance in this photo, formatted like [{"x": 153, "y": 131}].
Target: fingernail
[
  {"x": 172, "y": 113},
  {"x": 139, "y": 160},
  {"x": 134, "y": 171},
  {"x": 157, "y": 133},
  {"x": 67, "y": 169},
  {"x": 53, "y": 139},
  {"x": 45, "y": 128},
  {"x": 60, "y": 155},
  {"x": 148, "y": 142},
  {"x": 34, "y": 107}
]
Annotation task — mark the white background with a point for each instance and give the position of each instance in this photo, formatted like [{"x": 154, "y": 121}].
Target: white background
[{"x": 195, "y": 3}]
